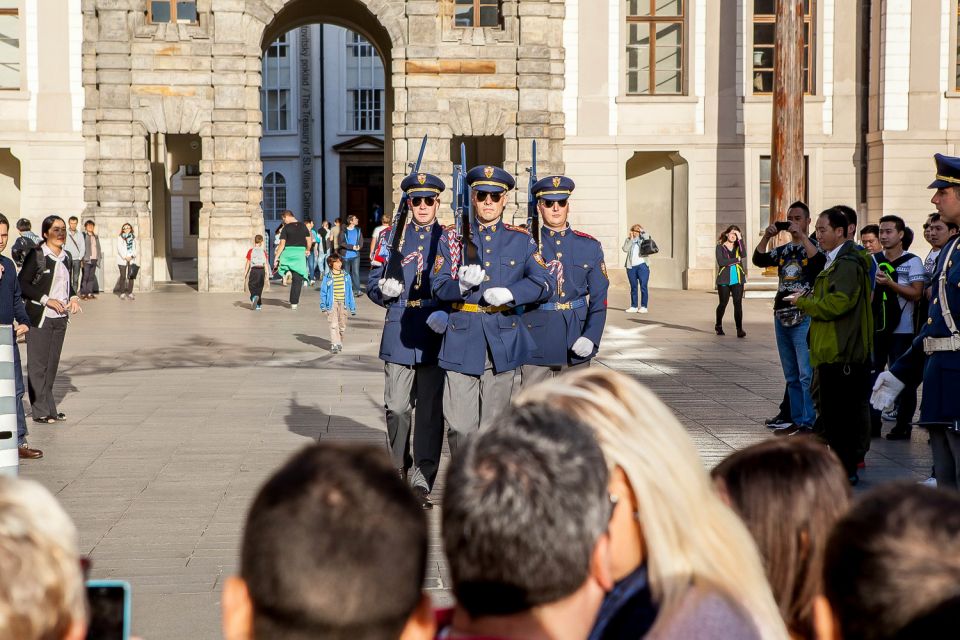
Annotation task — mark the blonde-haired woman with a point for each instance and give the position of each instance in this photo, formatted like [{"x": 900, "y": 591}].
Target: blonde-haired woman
[{"x": 685, "y": 565}]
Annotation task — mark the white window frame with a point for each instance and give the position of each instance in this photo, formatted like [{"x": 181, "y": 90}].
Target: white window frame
[
  {"x": 367, "y": 79},
  {"x": 174, "y": 19},
  {"x": 278, "y": 88},
  {"x": 17, "y": 10},
  {"x": 274, "y": 184}
]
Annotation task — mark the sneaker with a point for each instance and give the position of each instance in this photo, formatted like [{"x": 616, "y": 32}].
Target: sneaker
[
  {"x": 899, "y": 434},
  {"x": 776, "y": 422},
  {"x": 929, "y": 482},
  {"x": 793, "y": 430},
  {"x": 257, "y": 308},
  {"x": 643, "y": 310},
  {"x": 889, "y": 416},
  {"x": 631, "y": 310},
  {"x": 130, "y": 296},
  {"x": 123, "y": 296},
  {"x": 294, "y": 307}
]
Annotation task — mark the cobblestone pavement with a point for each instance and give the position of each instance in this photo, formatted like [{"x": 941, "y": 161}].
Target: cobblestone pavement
[{"x": 180, "y": 404}]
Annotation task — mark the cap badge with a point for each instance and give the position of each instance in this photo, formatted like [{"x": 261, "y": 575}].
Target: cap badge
[
  {"x": 488, "y": 171},
  {"x": 556, "y": 181},
  {"x": 421, "y": 178}
]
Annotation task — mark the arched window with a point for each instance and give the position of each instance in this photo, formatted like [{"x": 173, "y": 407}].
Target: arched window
[{"x": 274, "y": 195}]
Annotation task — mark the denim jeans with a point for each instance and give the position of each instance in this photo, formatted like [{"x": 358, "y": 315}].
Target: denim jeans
[
  {"x": 352, "y": 266},
  {"x": 311, "y": 265},
  {"x": 795, "y": 361},
  {"x": 19, "y": 391},
  {"x": 639, "y": 275}
]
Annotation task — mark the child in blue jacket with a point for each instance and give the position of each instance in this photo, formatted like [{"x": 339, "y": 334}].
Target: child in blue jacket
[{"x": 336, "y": 298}]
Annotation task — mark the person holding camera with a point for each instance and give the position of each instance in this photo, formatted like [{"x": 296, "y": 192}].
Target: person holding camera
[
  {"x": 127, "y": 249},
  {"x": 731, "y": 278},
  {"x": 798, "y": 263},
  {"x": 637, "y": 246}
]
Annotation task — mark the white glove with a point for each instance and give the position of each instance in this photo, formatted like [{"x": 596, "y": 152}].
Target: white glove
[
  {"x": 438, "y": 321},
  {"x": 390, "y": 288},
  {"x": 498, "y": 296},
  {"x": 470, "y": 277},
  {"x": 886, "y": 390},
  {"x": 583, "y": 347}
]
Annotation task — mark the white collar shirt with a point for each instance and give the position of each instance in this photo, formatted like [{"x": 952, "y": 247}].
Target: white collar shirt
[{"x": 60, "y": 288}]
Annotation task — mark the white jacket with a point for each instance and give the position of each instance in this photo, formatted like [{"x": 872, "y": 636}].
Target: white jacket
[{"x": 123, "y": 254}]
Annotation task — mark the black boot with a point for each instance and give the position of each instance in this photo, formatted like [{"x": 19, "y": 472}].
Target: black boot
[{"x": 719, "y": 330}]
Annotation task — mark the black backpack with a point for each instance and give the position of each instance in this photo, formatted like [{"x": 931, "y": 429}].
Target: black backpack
[
  {"x": 20, "y": 249},
  {"x": 886, "y": 303}
]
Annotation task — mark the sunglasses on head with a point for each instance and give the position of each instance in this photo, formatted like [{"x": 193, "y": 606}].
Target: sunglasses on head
[
  {"x": 559, "y": 203},
  {"x": 483, "y": 195},
  {"x": 427, "y": 200}
]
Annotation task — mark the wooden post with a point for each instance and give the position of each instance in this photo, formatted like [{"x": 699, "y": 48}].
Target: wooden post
[{"x": 786, "y": 164}]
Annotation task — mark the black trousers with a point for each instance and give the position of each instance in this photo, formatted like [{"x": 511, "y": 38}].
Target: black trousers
[
  {"x": 840, "y": 392},
  {"x": 44, "y": 345},
  {"x": 295, "y": 286},
  {"x": 886, "y": 351},
  {"x": 255, "y": 281},
  {"x": 88, "y": 283},
  {"x": 124, "y": 284},
  {"x": 725, "y": 291}
]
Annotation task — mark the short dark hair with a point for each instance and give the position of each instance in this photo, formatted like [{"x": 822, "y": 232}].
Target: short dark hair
[
  {"x": 525, "y": 504},
  {"x": 799, "y": 204},
  {"x": 836, "y": 219},
  {"x": 257, "y": 239},
  {"x": 871, "y": 228},
  {"x": 335, "y": 546},
  {"x": 287, "y": 212},
  {"x": 73, "y": 219},
  {"x": 907, "y": 238},
  {"x": 23, "y": 225},
  {"x": 848, "y": 212},
  {"x": 3, "y": 220},
  {"x": 89, "y": 222},
  {"x": 893, "y": 560},
  {"x": 807, "y": 483},
  {"x": 936, "y": 217},
  {"x": 333, "y": 257},
  {"x": 896, "y": 220}
]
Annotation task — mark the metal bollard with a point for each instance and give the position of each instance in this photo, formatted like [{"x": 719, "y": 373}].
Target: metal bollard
[{"x": 9, "y": 458}]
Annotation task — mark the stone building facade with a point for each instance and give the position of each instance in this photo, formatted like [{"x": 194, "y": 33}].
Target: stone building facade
[
  {"x": 660, "y": 109},
  {"x": 161, "y": 94}
]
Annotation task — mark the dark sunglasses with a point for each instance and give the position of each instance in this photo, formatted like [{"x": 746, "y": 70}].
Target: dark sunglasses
[
  {"x": 483, "y": 195},
  {"x": 428, "y": 200},
  {"x": 561, "y": 203}
]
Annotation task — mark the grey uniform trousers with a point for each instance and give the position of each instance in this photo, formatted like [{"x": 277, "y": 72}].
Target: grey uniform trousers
[
  {"x": 533, "y": 373},
  {"x": 470, "y": 403},
  {"x": 406, "y": 388},
  {"x": 946, "y": 457}
]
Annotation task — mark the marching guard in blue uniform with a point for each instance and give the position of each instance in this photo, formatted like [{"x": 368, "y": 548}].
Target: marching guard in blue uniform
[
  {"x": 485, "y": 340},
  {"x": 568, "y": 327},
  {"x": 939, "y": 339},
  {"x": 408, "y": 347}
]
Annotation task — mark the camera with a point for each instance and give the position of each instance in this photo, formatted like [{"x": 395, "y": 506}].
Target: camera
[{"x": 782, "y": 225}]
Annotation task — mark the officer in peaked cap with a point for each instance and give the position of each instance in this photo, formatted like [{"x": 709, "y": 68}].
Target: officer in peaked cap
[
  {"x": 567, "y": 328},
  {"x": 408, "y": 347},
  {"x": 485, "y": 340},
  {"x": 939, "y": 339}
]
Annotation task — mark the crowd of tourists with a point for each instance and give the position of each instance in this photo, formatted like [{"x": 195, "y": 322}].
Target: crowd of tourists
[{"x": 583, "y": 513}]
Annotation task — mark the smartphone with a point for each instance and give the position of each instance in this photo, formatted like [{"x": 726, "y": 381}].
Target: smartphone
[
  {"x": 782, "y": 225},
  {"x": 109, "y": 610}
]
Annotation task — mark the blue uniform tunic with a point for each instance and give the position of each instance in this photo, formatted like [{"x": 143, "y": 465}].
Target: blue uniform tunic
[
  {"x": 509, "y": 257},
  {"x": 407, "y": 339},
  {"x": 941, "y": 373},
  {"x": 578, "y": 259}
]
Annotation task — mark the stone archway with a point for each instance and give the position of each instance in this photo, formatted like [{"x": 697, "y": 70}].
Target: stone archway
[{"x": 144, "y": 81}]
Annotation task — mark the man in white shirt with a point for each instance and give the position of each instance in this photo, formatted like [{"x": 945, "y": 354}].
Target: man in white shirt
[
  {"x": 74, "y": 247},
  {"x": 894, "y": 340}
]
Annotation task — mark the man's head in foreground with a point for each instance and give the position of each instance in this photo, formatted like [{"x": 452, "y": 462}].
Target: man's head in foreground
[
  {"x": 41, "y": 584},
  {"x": 892, "y": 568},
  {"x": 334, "y": 547},
  {"x": 525, "y": 516}
]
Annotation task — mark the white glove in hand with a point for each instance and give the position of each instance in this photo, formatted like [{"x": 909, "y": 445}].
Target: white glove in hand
[
  {"x": 886, "y": 390},
  {"x": 390, "y": 288},
  {"x": 583, "y": 347},
  {"x": 498, "y": 296},
  {"x": 438, "y": 321},
  {"x": 470, "y": 277}
]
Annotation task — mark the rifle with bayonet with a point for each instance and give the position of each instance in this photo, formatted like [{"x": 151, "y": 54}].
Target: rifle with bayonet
[
  {"x": 394, "y": 268},
  {"x": 533, "y": 216},
  {"x": 463, "y": 210}
]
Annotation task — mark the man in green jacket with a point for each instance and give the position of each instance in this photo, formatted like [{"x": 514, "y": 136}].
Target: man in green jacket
[{"x": 841, "y": 340}]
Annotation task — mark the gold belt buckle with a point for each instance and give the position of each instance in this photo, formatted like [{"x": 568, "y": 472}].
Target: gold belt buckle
[
  {"x": 413, "y": 304},
  {"x": 564, "y": 306}
]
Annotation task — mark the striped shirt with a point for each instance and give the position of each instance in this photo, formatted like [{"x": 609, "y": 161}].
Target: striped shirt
[{"x": 339, "y": 290}]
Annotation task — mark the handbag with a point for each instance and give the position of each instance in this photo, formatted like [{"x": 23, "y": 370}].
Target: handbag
[
  {"x": 648, "y": 247},
  {"x": 132, "y": 270},
  {"x": 790, "y": 317}
]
